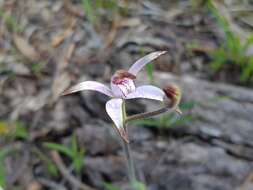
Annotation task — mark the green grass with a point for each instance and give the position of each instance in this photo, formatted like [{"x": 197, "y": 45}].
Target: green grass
[
  {"x": 89, "y": 11},
  {"x": 4, "y": 152},
  {"x": 137, "y": 186},
  {"x": 11, "y": 22},
  {"x": 75, "y": 153},
  {"x": 109, "y": 186},
  {"x": 37, "y": 68},
  {"x": 233, "y": 51},
  {"x": 94, "y": 10},
  {"x": 150, "y": 71},
  {"x": 149, "y": 67},
  {"x": 13, "y": 130},
  {"x": 10, "y": 131},
  {"x": 47, "y": 162}
]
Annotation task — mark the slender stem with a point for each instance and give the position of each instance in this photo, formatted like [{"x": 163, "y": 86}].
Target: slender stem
[
  {"x": 128, "y": 155},
  {"x": 149, "y": 114},
  {"x": 130, "y": 165}
]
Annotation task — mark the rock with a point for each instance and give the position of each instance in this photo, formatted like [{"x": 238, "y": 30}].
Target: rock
[
  {"x": 191, "y": 166},
  {"x": 222, "y": 111},
  {"x": 221, "y": 158},
  {"x": 94, "y": 104},
  {"x": 111, "y": 168},
  {"x": 98, "y": 138}
]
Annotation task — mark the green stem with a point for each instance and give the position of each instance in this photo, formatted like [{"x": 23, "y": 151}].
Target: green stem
[
  {"x": 130, "y": 165},
  {"x": 128, "y": 155},
  {"x": 149, "y": 114}
]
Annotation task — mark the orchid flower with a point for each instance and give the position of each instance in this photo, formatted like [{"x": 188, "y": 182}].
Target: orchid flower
[{"x": 122, "y": 87}]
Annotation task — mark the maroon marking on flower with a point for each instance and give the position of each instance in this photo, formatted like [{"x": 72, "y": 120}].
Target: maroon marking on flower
[
  {"x": 122, "y": 87},
  {"x": 121, "y": 77},
  {"x": 171, "y": 91},
  {"x": 174, "y": 94}
]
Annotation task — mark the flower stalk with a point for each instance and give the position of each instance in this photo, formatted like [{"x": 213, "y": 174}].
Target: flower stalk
[
  {"x": 147, "y": 114},
  {"x": 130, "y": 164},
  {"x": 128, "y": 154}
]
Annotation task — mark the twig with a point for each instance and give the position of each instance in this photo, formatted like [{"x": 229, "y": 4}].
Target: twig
[
  {"x": 72, "y": 9},
  {"x": 241, "y": 9},
  {"x": 248, "y": 181},
  {"x": 66, "y": 174},
  {"x": 50, "y": 184}
]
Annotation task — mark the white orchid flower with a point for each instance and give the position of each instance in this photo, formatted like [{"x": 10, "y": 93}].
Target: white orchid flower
[{"x": 122, "y": 88}]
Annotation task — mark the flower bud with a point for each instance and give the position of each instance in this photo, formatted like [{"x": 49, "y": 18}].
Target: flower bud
[{"x": 173, "y": 93}]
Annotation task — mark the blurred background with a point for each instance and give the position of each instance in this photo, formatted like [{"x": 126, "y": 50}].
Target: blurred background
[{"x": 48, "y": 142}]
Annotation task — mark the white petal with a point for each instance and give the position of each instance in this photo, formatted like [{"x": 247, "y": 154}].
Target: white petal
[
  {"x": 139, "y": 64},
  {"x": 117, "y": 91},
  {"x": 147, "y": 91},
  {"x": 114, "y": 108},
  {"x": 90, "y": 85}
]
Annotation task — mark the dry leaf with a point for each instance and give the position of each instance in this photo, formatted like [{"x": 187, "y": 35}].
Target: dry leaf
[
  {"x": 25, "y": 48},
  {"x": 131, "y": 22},
  {"x": 59, "y": 38},
  {"x": 72, "y": 9},
  {"x": 34, "y": 185}
]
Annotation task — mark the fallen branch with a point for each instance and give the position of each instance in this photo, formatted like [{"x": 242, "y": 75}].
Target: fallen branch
[{"x": 66, "y": 174}]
